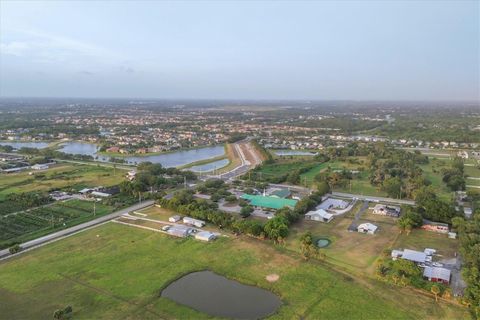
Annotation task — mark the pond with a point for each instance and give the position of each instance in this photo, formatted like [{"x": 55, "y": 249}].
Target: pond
[
  {"x": 323, "y": 242},
  {"x": 294, "y": 153},
  {"x": 88, "y": 149},
  {"x": 218, "y": 296},
  {"x": 21, "y": 144},
  {"x": 180, "y": 158},
  {"x": 210, "y": 166},
  {"x": 172, "y": 159}
]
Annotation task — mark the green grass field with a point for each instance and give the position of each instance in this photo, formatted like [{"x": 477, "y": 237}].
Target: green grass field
[
  {"x": 420, "y": 239},
  {"x": 60, "y": 176},
  {"x": 117, "y": 272}
]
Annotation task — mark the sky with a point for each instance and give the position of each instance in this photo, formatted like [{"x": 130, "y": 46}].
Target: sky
[{"x": 358, "y": 50}]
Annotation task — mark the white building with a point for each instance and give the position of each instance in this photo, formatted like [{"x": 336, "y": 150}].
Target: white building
[
  {"x": 411, "y": 255},
  {"x": 319, "y": 215},
  {"x": 368, "y": 228},
  {"x": 174, "y": 218},
  {"x": 179, "y": 231},
  {"x": 100, "y": 194},
  {"x": 384, "y": 210},
  {"x": 40, "y": 166},
  {"x": 205, "y": 236},
  {"x": 194, "y": 222},
  {"x": 331, "y": 203}
]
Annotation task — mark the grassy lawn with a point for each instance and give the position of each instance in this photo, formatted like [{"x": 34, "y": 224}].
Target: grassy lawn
[
  {"x": 351, "y": 250},
  {"x": 280, "y": 169},
  {"x": 60, "y": 176},
  {"x": 420, "y": 239},
  {"x": 433, "y": 172},
  {"x": 116, "y": 272}
]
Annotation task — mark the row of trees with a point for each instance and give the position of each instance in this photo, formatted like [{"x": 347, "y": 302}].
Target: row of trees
[
  {"x": 406, "y": 273},
  {"x": 428, "y": 206},
  {"x": 276, "y": 228},
  {"x": 21, "y": 201},
  {"x": 469, "y": 236},
  {"x": 454, "y": 177},
  {"x": 154, "y": 177}
]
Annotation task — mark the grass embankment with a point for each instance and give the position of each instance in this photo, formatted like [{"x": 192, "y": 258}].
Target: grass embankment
[
  {"x": 116, "y": 271},
  {"x": 60, "y": 176},
  {"x": 230, "y": 153},
  {"x": 202, "y": 162}
]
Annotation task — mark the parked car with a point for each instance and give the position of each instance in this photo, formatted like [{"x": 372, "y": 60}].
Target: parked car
[
  {"x": 437, "y": 264},
  {"x": 165, "y": 228}
]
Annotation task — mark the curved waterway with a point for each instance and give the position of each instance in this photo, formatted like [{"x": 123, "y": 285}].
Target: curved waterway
[
  {"x": 218, "y": 296},
  {"x": 172, "y": 159},
  {"x": 210, "y": 166},
  {"x": 293, "y": 153},
  {"x": 25, "y": 144}
]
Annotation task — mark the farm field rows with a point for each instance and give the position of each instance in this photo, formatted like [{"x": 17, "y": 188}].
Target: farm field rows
[
  {"x": 35, "y": 223},
  {"x": 115, "y": 271}
]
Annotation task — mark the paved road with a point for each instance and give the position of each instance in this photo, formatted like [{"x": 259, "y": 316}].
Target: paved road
[
  {"x": 241, "y": 169},
  {"x": 99, "y": 163},
  {"x": 294, "y": 188},
  {"x": 374, "y": 199},
  {"x": 67, "y": 232}
]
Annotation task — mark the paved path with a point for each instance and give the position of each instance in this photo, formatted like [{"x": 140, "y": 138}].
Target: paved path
[
  {"x": 353, "y": 226},
  {"x": 106, "y": 164},
  {"x": 4, "y": 254},
  {"x": 374, "y": 199}
]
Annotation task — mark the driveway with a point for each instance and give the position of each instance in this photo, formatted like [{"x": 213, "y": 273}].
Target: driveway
[{"x": 354, "y": 224}]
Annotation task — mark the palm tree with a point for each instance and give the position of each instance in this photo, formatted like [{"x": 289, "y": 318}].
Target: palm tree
[{"x": 435, "y": 289}]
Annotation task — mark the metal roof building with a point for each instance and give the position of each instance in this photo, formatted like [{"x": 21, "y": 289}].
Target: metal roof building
[
  {"x": 415, "y": 256},
  {"x": 319, "y": 215},
  {"x": 205, "y": 236},
  {"x": 436, "y": 274},
  {"x": 269, "y": 202}
]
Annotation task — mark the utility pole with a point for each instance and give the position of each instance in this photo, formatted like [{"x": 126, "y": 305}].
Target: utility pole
[
  {"x": 185, "y": 182},
  {"x": 94, "y": 208}
]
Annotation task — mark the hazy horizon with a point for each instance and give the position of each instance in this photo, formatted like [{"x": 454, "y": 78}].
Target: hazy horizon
[{"x": 259, "y": 51}]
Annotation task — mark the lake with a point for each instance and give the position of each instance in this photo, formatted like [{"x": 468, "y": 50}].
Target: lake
[
  {"x": 218, "y": 296},
  {"x": 294, "y": 153},
  {"x": 29, "y": 144},
  {"x": 210, "y": 166},
  {"x": 172, "y": 159},
  {"x": 83, "y": 148}
]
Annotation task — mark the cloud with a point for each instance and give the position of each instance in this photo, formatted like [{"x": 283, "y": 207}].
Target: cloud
[
  {"x": 14, "y": 48},
  {"x": 86, "y": 73},
  {"x": 46, "y": 47}
]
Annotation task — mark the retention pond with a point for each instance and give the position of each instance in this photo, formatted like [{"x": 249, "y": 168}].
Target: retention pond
[{"x": 218, "y": 296}]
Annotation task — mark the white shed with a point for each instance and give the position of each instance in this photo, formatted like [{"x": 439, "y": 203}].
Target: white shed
[
  {"x": 319, "y": 215},
  {"x": 205, "y": 236},
  {"x": 194, "y": 222},
  {"x": 174, "y": 218},
  {"x": 368, "y": 227}
]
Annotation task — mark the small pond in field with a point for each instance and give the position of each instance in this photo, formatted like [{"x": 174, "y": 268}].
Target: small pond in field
[
  {"x": 218, "y": 296},
  {"x": 323, "y": 242}
]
